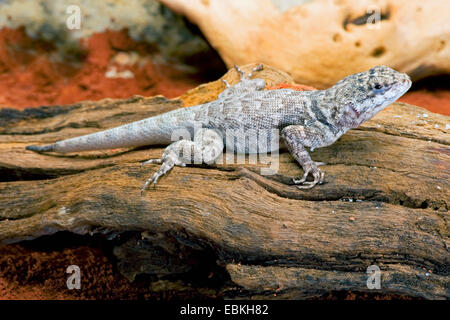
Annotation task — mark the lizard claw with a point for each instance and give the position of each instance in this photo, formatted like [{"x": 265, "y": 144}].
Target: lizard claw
[
  {"x": 242, "y": 73},
  {"x": 168, "y": 161},
  {"x": 316, "y": 173},
  {"x": 153, "y": 179},
  {"x": 259, "y": 67},
  {"x": 227, "y": 84}
]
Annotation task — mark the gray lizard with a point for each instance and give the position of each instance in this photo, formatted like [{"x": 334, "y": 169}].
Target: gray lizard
[{"x": 305, "y": 119}]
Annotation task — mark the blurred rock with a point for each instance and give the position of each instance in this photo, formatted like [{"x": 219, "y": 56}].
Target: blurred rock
[
  {"x": 122, "y": 48},
  {"x": 146, "y": 21},
  {"x": 319, "y": 42}
]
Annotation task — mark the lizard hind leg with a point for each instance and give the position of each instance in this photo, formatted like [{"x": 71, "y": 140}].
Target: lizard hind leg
[{"x": 206, "y": 147}]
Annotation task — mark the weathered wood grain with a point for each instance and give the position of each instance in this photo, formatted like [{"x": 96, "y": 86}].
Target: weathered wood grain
[{"x": 384, "y": 201}]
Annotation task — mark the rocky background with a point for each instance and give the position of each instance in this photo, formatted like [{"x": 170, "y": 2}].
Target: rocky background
[
  {"x": 148, "y": 48},
  {"x": 123, "y": 48}
]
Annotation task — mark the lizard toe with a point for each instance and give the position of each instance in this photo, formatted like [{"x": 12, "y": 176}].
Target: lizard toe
[
  {"x": 317, "y": 174},
  {"x": 322, "y": 175},
  {"x": 303, "y": 179},
  {"x": 153, "y": 180},
  {"x": 306, "y": 185},
  {"x": 163, "y": 170},
  {"x": 145, "y": 186},
  {"x": 157, "y": 161}
]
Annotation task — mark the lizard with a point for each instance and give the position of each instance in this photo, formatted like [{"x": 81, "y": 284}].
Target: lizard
[{"x": 305, "y": 119}]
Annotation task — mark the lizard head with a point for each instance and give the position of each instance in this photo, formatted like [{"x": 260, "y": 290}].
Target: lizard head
[{"x": 367, "y": 93}]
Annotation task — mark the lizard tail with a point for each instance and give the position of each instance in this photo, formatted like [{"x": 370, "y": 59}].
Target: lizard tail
[
  {"x": 46, "y": 148},
  {"x": 151, "y": 131},
  {"x": 140, "y": 133}
]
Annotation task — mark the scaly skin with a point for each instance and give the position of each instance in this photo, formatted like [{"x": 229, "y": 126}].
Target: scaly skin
[{"x": 306, "y": 119}]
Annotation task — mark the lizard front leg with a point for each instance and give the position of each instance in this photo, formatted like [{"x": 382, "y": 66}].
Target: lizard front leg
[
  {"x": 206, "y": 147},
  {"x": 296, "y": 138}
]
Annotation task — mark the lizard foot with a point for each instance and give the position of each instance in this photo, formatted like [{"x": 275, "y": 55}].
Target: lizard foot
[
  {"x": 167, "y": 163},
  {"x": 318, "y": 175},
  {"x": 259, "y": 67}
]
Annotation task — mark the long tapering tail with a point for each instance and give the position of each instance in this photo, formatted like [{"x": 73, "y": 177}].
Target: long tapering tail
[
  {"x": 150, "y": 131},
  {"x": 46, "y": 148}
]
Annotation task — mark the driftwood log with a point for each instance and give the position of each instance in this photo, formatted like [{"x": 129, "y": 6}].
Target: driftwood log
[{"x": 384, "y": 202}]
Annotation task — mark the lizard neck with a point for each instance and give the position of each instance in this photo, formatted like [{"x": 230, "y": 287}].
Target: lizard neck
[
  {"x": 340, "y": 111},
  {"x": 349, "y": 117},
  {"x": 350, "y": 107}
]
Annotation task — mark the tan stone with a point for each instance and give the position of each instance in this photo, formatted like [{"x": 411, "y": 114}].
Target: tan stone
[{"x": 319, "y": 42}]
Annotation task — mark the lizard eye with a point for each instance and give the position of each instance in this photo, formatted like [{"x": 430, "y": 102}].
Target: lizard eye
[{"x": 378, "y": 86}]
